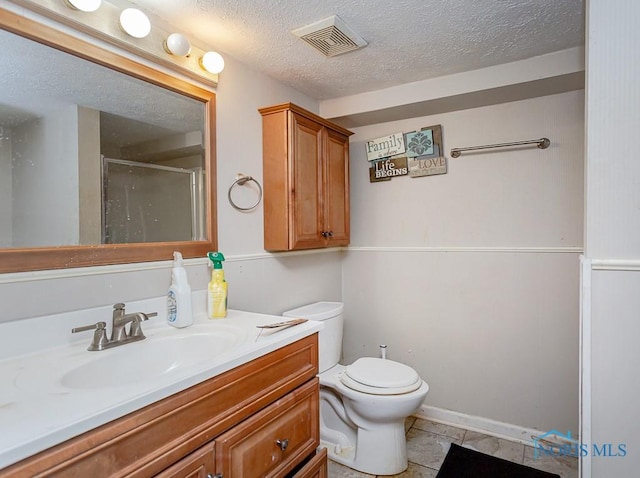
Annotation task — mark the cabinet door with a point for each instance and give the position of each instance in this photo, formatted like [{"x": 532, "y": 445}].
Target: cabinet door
[
  {"x": 274, "y": 441},
  {"x": 336, "y": 188},
  {"x": 306, "y": 222},
  {"x": 199, "y": 464}
]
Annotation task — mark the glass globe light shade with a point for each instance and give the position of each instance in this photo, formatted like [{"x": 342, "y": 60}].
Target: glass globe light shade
[
  {"x": 135, "y": 23},
  {"x": 212, "y": 62},
  {"x": 177, "y": 44},
  {"x": 85, "y": 5}
]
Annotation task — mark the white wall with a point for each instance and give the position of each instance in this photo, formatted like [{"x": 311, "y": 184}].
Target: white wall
[
  {"x": 239, "y": 136},
  {"x": 610, "y": 319},
  {"x": 472, "y": 277}
]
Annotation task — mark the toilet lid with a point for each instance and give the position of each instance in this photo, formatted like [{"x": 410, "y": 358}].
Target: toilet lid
[{"x": 380, "y": 377}]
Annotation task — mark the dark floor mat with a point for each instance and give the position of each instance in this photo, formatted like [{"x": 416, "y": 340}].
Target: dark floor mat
[{"x": 462, "y": 462}]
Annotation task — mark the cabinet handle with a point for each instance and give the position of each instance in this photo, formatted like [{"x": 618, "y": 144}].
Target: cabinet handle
[
  {"x": 217, "y": 475},
  {"x": 283, "y": 444},
  {"x": 327, "y": 233}
]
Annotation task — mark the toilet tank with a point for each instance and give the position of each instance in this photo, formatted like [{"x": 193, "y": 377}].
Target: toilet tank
[{"x": 330, "y": 337}]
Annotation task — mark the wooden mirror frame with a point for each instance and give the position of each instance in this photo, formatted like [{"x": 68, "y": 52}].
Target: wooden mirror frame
[{"x": 61, "y": 257}]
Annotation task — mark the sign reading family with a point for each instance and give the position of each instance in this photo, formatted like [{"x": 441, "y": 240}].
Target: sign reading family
[{"x": 386, "y": 146}]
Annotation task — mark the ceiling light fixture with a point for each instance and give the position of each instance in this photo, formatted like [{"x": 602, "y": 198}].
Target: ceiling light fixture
[
  {"x": 84, "y": 5},
  {"x": 212, "y": 62},
  {"x": 135, "y": 23},
  {"x": 177, "y": 44}
]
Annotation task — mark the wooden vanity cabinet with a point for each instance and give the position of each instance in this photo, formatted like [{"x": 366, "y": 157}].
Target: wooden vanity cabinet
[
  {"x": 306, "y": 180},
  {"x": 260, "y": 419},
  {"x": 196, "y": 465}
]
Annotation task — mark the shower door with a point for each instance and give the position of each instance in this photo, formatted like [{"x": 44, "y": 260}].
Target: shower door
[{"x": 145, "y": 202}]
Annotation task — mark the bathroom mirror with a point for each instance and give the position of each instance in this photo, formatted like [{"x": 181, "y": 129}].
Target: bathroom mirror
[{"x": 102, "y": 160}]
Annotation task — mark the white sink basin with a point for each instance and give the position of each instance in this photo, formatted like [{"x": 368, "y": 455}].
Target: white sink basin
[
  {"x": 151, "y": 359},
  {"x": 162, "y": 353}
]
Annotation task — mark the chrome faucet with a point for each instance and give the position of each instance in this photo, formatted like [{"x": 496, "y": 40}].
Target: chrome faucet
[{"x": 119, "y": 334}]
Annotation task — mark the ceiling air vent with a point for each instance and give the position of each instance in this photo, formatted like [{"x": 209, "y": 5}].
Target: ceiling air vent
[{"x": 330, "y": 36}]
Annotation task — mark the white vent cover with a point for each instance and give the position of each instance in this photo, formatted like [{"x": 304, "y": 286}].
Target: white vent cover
[{"x": 330, "y": 36}]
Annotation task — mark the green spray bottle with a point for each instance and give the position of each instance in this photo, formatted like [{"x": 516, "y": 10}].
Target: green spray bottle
[{"x": 217, "y": 293}]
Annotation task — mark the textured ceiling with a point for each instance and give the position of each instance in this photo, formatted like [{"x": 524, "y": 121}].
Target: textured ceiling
[
  {"x": 409, "y": 40},
  {"x": 52, "y": 80}
]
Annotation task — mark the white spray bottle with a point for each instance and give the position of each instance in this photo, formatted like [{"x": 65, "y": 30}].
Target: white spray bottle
[{"x": 179, "y": 309}]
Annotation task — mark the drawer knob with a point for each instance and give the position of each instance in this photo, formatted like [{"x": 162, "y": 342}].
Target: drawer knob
[{"x": 283, "y": 444}]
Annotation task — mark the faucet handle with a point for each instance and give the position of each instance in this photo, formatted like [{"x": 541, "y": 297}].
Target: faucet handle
[
  {"x": 97, "y": 325},
  {"x": 99, "y": 336}
]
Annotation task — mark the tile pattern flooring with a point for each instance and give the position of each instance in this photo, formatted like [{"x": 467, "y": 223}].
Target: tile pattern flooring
[{"x": 428, "y": 443}]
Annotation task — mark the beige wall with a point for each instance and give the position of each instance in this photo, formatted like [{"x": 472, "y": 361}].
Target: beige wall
[{"x": 472, "y": 277}]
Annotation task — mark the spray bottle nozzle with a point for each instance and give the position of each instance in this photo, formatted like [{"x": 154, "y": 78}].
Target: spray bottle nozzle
[
  {"x": 177, "y": 259},
  {"x": 216, "y": 259}
]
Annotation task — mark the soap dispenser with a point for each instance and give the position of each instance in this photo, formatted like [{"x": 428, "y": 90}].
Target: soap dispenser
[
  {"x": 218, "y": 287},
  {"x": 179, "y": 308}
]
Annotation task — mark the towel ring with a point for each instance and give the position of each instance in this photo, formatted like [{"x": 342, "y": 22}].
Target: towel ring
[{"x": 241, "y": 180}]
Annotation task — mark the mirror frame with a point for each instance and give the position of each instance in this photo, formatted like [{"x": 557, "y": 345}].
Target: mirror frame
[{"x": 62, "y": 257}]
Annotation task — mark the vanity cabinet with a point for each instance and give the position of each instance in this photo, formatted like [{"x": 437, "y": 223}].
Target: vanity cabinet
[
  {"x": 196, "y": 465},
  {"x": 260, "y": 419},
  {"x": 306, "y": 180}
]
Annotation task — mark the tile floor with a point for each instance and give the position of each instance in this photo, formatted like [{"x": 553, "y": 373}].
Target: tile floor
[{"x": 428, "y": 443}]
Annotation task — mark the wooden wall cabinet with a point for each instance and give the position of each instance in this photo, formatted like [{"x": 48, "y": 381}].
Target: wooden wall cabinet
[
  {"x": 306, "y": 180},
  {"x": 260, "y": 419}
]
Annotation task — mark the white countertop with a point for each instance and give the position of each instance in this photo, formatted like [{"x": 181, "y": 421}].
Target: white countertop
[{"x": 37, "y": 411}]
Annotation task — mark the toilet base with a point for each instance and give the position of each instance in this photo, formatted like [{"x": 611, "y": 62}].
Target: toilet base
[{"x": 382, "y": 451}]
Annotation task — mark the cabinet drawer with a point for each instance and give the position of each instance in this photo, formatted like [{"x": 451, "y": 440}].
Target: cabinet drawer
[
  {"x": 199, "y": 464},
  {"x": 315, "y": 468},
  {"x": 272, "y": 442}
]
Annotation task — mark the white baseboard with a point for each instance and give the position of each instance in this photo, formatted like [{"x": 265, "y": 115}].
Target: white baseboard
[{"x": 484, "y": 425}]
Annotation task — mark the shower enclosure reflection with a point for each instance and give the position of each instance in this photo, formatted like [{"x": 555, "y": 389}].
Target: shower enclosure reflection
[{"x": 137, "y": 207}]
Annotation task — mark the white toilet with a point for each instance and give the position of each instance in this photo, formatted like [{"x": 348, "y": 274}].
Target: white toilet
[{"x": 363, "y": 406}]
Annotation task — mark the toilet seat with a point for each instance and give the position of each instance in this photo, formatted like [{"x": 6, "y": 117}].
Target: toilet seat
[{"x": 376, "y": 376}]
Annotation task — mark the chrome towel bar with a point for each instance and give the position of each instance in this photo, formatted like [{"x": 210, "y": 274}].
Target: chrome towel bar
[{"x": 543, "y": 143}]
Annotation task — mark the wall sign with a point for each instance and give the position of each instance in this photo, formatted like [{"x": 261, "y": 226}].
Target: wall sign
[
  {"x": 420, "y": 143},
  {"x": 385, "y": 146},
  {"x": 425, "y": 146},
  {"x": 417, "y": 153},
  {"x": 385, "y": 169}
]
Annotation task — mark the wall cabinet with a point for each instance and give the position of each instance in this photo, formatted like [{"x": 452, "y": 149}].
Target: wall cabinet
[
  {"x": 306, "y": 180},
  {"x": 260, "y": 419}
]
